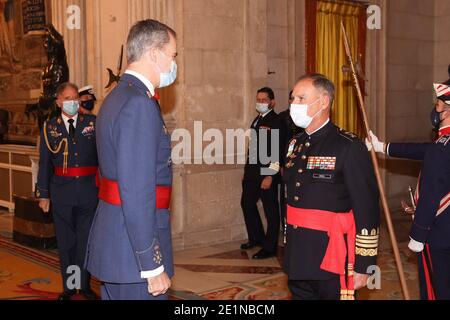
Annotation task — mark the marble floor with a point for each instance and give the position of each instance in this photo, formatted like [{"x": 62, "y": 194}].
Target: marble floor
[{"x": 224, "y": 272}]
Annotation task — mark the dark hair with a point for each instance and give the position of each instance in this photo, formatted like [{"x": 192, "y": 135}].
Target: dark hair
[
  {"x": 268, "y": 91},
  {"x": 290, "y": 94},
  {"x": 146, "y": 34},
  {"x": 321, "y": 82},
  {"x": 64, "y": 86}
]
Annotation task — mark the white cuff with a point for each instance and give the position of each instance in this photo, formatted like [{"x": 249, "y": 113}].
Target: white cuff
[
  {"x": 152, "y": 273},
  {"x": 415, "y": 245},
  {"x": 387, "y": 148},
  {"x": 275, "y": 166}
]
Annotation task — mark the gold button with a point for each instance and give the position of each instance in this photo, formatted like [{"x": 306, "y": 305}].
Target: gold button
[
  {"x": 303, "y": 157},
  {"x": 76, "y": 166},
  {"x": 295, "y": 227},
  {"x": 76, "y": 154},
  {"x": 77, "y": 177},
  {"x": 298, "y": 184},
  {"x": 296, "y": 198},
  {"x": 300, "y": 171},
  {"x": 307, "y": 144}
]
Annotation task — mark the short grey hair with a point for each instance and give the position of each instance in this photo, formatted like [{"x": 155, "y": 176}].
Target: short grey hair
[
  {"x": 147, "y": 34},
  {"x": 321, "y": 82},
  {"x": 63, "y": 86}
]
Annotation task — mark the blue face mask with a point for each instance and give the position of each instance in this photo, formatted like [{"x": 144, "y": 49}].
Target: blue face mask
[
  {"x": 168, "y": 78},
  {"x": 71, "y": 107}
]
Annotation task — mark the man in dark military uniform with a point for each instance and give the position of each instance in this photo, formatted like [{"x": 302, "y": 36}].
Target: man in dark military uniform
[
  {"x": 67, "y": 170},
  {"x": 430, "y": 233},
  {"x": 261, "y": 178},
  {"x": 130, "y": 245},
  {"x": 333, "y": 201}
]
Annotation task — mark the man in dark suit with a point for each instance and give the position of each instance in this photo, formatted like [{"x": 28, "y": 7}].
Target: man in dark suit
[
  {"x": 67, "y": 168},
  {"x": 130, "y": 245},
  {"x": 261, "y": 178}
]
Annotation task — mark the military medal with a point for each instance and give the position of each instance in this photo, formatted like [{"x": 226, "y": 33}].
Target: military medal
[
  {"x": 321, "y": 163},
  {"x": 291, "y": 148}
]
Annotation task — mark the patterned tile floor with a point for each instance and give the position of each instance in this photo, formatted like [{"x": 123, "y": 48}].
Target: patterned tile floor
[{"x": 224, "y": 272}]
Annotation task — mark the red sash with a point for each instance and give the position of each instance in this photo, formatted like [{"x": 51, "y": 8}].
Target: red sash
[
  {"x": 109, "y": 192},
  {"x": 336, "y": 225},
  {"x": 76, "y": 172}
]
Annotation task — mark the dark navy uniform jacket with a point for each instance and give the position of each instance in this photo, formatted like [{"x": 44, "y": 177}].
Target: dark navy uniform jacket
[
  {"x": 134, "y": 149},
  {"x": 267, "y": 126},
  {"x": 432, "y": 218},
  {"x": 330, "y": 170},
  {"x": 82, "y": 153}
]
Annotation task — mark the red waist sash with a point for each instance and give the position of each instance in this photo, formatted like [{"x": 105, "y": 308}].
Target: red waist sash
[
  {"x": 338, "y": 251},
  {"x": 109, "y": 192},
  {"x": 75, "y": 172}
]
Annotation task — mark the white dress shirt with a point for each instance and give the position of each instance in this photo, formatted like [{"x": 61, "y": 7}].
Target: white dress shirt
[{"x": 66, "y": 121}]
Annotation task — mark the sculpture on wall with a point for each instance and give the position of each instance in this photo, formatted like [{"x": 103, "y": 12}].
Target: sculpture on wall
[{"x": 55, "y": 73}]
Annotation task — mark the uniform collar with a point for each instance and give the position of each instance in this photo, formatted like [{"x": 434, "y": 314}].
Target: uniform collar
[
  {"x": 143, "y": 79},
  {"x": 444, "y": 130},
  {"x": 322, "y": 130}
]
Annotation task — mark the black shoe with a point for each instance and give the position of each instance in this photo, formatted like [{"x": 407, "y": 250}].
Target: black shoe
[
  {"x": 67, "y": 295},
  {"x": 263, "y": 254},
  {"x": 249, "y": 245},
  {"x": 89, "y": 294}
]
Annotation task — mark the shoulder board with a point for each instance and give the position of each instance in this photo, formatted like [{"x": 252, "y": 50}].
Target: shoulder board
[
  {"x": 443, "y": 140},
  {"x": 348, "y": 135}
]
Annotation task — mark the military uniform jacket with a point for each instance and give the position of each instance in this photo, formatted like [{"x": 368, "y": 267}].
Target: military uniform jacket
[
  {"x": 135, "y": 151},
  {"x": 266, "y": 125},
  {"x": 82, "y": 153},
  {"x": 432, "y": 218},
  {"x": 331, "y": 171}
]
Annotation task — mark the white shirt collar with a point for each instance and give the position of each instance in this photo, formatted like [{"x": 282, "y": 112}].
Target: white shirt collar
[
  {"x": 324, "y": 124},
  {"x": 144, "y": 80},
  {"x": 66, "y": 121}
]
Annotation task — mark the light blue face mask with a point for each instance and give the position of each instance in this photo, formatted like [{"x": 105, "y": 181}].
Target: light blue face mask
[
  {"x": 168, "y": 78},
  {"x": 71, "y": 107}
]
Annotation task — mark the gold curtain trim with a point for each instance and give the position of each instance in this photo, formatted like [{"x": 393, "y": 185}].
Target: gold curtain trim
[
  {"x": 348, "y": 3},
  {"x": 340, "y": 14},
  {"x": 35, "y": 229}
]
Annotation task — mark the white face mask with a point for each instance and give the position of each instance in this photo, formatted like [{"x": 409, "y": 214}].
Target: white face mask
[
  {"x": 262, "y": 108},
  {"x": 299, "y": 114}
]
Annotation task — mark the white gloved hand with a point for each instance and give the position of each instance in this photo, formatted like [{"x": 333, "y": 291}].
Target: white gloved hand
[
  {"x": 377, "y": 144},
  {"x": 415, "y": 245}
]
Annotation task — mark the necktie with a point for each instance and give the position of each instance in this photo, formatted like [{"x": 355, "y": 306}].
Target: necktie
[{"x": 71, "y": 128}]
